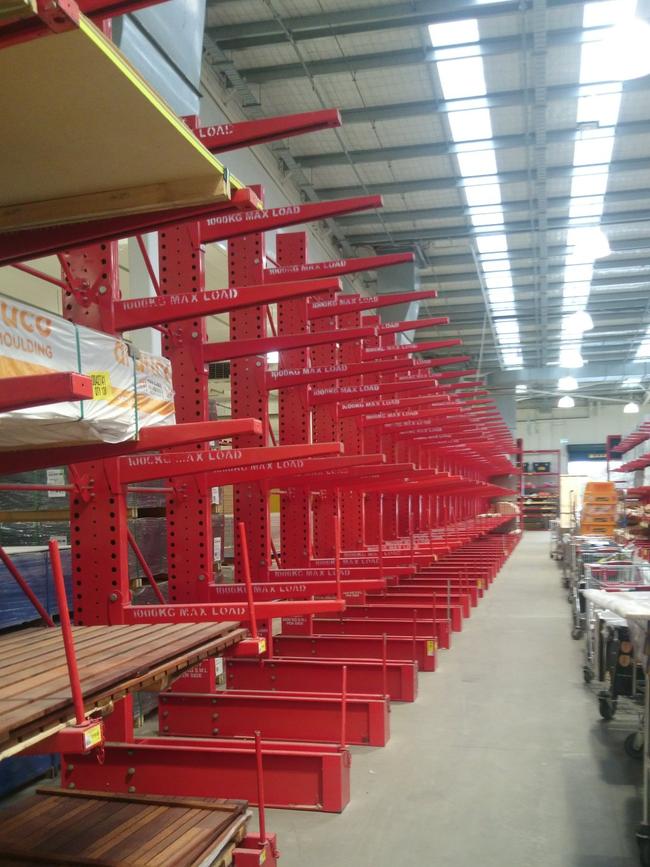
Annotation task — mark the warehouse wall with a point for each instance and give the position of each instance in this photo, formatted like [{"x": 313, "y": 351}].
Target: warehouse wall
[{"x": 584, "y": 424}]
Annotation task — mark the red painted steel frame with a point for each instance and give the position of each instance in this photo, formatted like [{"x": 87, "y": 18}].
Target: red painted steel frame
[{"x": 310, "y": 717}]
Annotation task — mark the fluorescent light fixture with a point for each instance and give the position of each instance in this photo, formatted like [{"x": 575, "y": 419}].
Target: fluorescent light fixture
[
  {"x": 273, "y": 357},
  {"x": 577, "y": 323},
  {"x": 567, "y": 383},
  {"x": 631, "y": 408},
  {"x": 521, "y": 389},
  {"x": 566, "y": 402},
  {"x": 570, "y": 358},
  {"x": 589, "y": 243}
]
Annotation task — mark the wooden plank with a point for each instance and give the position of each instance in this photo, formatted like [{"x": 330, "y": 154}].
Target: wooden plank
[
  {"x": 58, "y": 826},
  {"x": 110, "y": 663},
  {"x": 53, "y": 174}
]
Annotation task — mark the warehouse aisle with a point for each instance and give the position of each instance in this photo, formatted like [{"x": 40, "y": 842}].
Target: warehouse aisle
[{"x": 503, "y": 760}]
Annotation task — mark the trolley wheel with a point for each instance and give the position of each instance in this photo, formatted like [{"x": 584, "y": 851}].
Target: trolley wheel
[
  {"x": 587, "y": 674},
  {"x": 630, "y": 745},
  {"x": 644, "y": 851},
  {"x": 576, "y": 633},
  {"x": 607, "y": 707}
]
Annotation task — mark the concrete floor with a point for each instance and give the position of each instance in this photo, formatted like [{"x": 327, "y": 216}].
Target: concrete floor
[{"x": 502, "y": 761}]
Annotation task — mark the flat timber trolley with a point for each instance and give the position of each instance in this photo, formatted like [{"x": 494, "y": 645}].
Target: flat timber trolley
[{"x": 385, "y": 464}]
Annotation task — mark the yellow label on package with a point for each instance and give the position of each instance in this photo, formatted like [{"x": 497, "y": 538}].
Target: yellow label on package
[
  {"x": 262, "y": 856},
  {"x": 262, "y": 645},
  {"x": 432, "y": 646},
  {"x": 102, "y": 388},
  {"x": 93, "y": 737}
]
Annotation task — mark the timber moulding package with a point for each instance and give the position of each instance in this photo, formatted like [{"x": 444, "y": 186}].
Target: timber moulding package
[{"x": 131, "y": 388}]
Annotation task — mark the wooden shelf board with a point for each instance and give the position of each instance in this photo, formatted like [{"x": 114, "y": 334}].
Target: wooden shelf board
[{"x": 97, "y": 141}]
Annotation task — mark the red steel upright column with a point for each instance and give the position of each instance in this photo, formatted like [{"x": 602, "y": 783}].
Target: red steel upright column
[
  {"x": 352, "y": 501},
  {"x": 189, "y": 531},
  {"x": 293, "y": 409},
  {"x": 249, "y": 399}
]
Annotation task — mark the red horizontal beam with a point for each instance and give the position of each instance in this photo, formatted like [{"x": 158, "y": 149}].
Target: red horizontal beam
[
  {"x": 151, "y": 438},
  {"x": 220, "y": 138},
  {"x": 142, "y": 468},
  {"x": 233, "y": 225},
  {"x": 404, "y": 415},
  {"x": 288, "y": 377},
  {"x": 343, "y": 304},
  {"x": 338, "y": 266},
  {"x": 281, "y": 342},
  {"x": 348, "y": 410},
  {"x": 145, "y": 312},
  {"x": 21, "y": 392}
]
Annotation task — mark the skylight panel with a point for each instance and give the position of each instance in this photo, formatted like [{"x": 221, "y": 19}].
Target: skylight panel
[
  {"x": 513, "y": 359},
  {"x": 490, "y": 216},
  {"x": 500, "y": 280},
  {"x": 608, "y": 13},
  {"x": 477, "y": 163},
  {"x": 491, "y": 265},
  {"x": 462, "y": 78},
  {"x": 454, "y": 32},
  {"x": 643, "y": 352},
  {"x": 632, "y": 382},
  {"x": 483, "y": 194},
  {"x": 492, "y": 243},
  {"x": 586, "y": 206},
  {"x": 600, "y": 104},
  {"x": 471, "y": 124},
  {"x": 588, "y": 185},
  {"x": 592, "y": 150}
]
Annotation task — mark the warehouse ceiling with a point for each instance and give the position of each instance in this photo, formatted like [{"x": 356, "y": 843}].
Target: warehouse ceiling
[{"x": 502, "y": 138}]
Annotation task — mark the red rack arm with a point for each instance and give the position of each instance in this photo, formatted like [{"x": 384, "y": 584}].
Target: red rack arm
[
  {"x": 348, "y": 410},
  {"x": 145, "y": 312},
  {"x": 151, "y": 439},
  {"x": 352, "y": 303},
  {"x": 372, "y": 353},
  {"x": 33, "y": 243},
  {"x": 286, "y": 378},
  {"x": 210, "y": 612},
  {"x": 24, "y": 586},
  {"x": 339, "y": 266},
  {"x": 229, "y": 349},
  {"x": 232, "y": 225},
  {"x": 21, "y": 392},
  {"x": 220, "y": 138},
  {"x": 66, "y": 629},
  {"x": 339, "y": 394},
  {"x": 282, "y": 471},
  {"x": 141, "y": 468},
  {"x": 412, "y": 324}
]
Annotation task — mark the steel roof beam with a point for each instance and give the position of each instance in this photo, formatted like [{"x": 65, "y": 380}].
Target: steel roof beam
[
  {"x": 398, "y": 188},
  {"x": 508, "y": 206},
  {"x": 249, "y": 34},
  {"x": 488, "y": 47},
  {"x": 444, "y": 148},
  {"x": 592, "y": 372},
  {"x": 512, "y": 228},
  {"x": 497, "y": 99}
]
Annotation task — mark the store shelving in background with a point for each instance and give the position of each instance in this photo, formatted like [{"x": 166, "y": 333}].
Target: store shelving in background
[{"x": 541, "y": 487}]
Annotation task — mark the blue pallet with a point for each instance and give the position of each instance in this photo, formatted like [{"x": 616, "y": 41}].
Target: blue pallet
[
  {"x": 19, "y": 771},
  {"x": 15, "y": 607}
]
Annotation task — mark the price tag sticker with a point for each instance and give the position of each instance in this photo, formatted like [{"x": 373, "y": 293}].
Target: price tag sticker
[
  {"x": 93, "y": 736},
  {"x": 102, "y": 388},
  {"x": 432, "y": 646}
]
